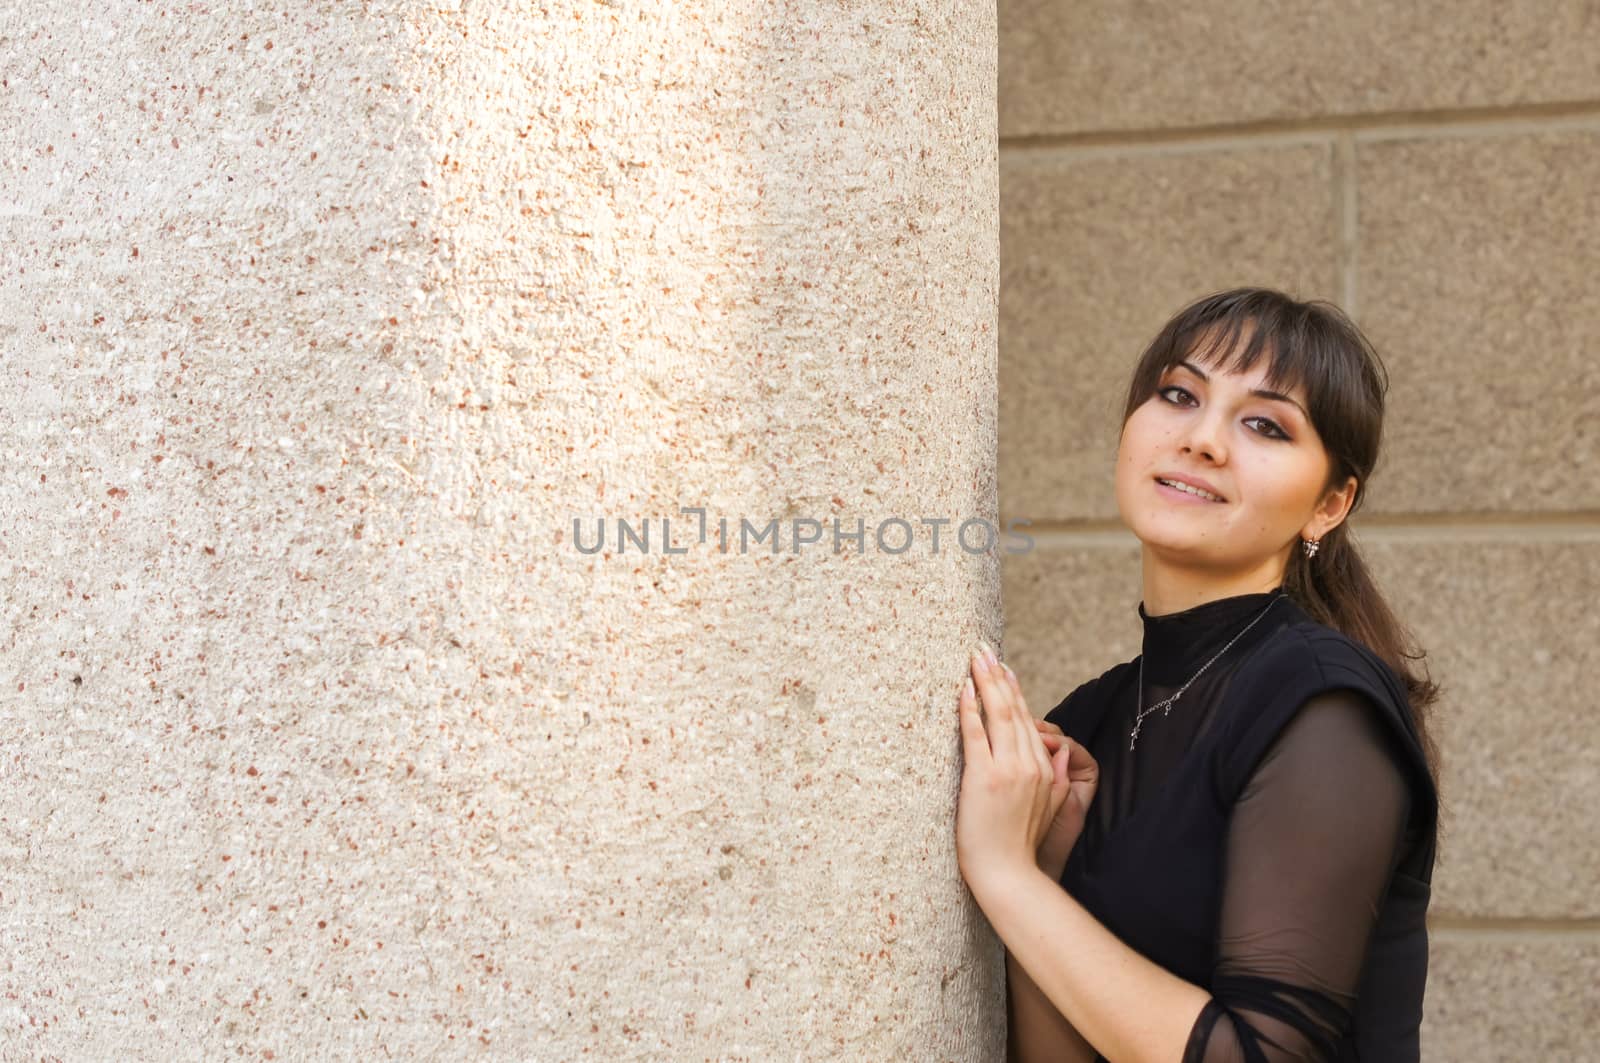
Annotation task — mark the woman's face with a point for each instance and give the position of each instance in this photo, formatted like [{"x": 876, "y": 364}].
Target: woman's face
[{"x": 1261, "y": 455}]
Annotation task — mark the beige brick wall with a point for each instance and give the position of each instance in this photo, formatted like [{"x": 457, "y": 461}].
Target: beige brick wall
[{"x": 1432, "y": 170}]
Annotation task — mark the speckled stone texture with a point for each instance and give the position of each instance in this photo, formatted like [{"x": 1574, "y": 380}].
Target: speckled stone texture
[
  {"x": 1511, "y": 994},
  {"x": 322, "y": 322},
  {"x": 1097, "y": 253},
  {"x": 1110, "y": 65},
  {"x": 1495, "y": 410}
]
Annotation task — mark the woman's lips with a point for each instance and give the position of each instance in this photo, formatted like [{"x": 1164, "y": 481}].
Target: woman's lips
[{"x": 1182, "y": 496}]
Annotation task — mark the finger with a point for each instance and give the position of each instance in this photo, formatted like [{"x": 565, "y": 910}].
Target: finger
[
  {"x": 1047, "y": 727},
  {"x": 1029, "y": 748},
  {"x": 974, "y": 741},
  {"x": 997, "y": 709},
  {"x": 1060, "y": 782},
  {"x": 1081, "y": 766},
  {"x": 1041, "y": 759},
  {"x": 1025, "y": 719},
  {"x": 1016, "y": 688}
]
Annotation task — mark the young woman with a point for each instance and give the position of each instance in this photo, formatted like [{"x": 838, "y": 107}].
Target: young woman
[{"x": 1223, "y": 848}]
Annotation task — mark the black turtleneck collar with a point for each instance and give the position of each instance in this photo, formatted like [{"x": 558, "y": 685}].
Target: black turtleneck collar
[{"x": 1177, "y": 644}]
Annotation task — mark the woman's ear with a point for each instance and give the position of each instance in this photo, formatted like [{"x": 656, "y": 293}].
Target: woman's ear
[{"x": 1333, "y": 508}]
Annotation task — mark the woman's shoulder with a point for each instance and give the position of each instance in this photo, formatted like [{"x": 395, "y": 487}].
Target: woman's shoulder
[
  {"x": 1304, "y": 657},
  {"x": 1302, "y": 662}
]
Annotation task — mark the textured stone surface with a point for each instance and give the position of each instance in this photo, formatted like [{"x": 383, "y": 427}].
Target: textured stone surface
[
  {"x": 1505, "y": 635},
  {"x": 1096, "y": 254},
  {"x": 322, "y": 324},
  {"x": 1108, "y": 65},
  {"x": 1511, "y": 632},
  {"x": 1476, "y": 282},
  {"x": 1509, "y": 995},
  {"x": 1071, "y": 613}
]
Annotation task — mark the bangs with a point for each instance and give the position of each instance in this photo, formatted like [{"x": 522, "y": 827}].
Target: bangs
[
  {"x": 1236, "y": 344},
  {"x": 1234, "y": 331}
]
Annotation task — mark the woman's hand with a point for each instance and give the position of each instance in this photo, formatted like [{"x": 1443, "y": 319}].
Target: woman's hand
[
  {"x": 1011, "y": 788},
  {"x": 1083, "y": 778}
]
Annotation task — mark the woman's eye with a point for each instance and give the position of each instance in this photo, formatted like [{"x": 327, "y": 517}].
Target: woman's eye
[
  {"x": 1276, "y": 432},
  {"x": 1272, "y": 431}
]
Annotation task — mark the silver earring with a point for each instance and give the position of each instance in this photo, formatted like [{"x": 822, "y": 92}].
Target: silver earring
[{"x": 1310, "y": 546}]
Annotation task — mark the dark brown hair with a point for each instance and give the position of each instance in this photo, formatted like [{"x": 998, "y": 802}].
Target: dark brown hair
[{"x": 1315, "y": 346}]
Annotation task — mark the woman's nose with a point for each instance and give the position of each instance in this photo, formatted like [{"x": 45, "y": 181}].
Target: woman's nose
[{"x": 1205, "y": 437}]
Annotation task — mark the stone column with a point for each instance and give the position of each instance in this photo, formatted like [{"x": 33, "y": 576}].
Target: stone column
[{"x": 333, "y": 333}]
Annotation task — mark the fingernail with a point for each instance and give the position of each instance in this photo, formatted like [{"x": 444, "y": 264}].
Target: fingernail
[
  {"x": 978, "y": 659},
  {"x": 1009, "y": 672},
  {"x": 971, "y": 693},
  {"x": 987, "y": 652}
]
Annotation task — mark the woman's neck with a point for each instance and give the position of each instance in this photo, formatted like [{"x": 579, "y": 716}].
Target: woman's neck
[{"x": 1172, "y": 590}]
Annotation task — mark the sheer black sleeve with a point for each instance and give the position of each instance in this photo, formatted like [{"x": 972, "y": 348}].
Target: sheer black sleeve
[{"x": 1312, "y": 843}]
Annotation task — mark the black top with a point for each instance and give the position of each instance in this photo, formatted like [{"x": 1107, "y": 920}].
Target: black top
[{"x": 1270, "y": 838}]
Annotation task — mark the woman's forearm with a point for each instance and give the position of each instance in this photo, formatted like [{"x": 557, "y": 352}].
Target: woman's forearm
[
  {"x": 1037, "y": 1032},
  {"x": 1128, "y": 1007}
]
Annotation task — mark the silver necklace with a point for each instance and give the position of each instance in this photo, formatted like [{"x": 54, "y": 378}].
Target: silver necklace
[{"x": 1165, "y": 704}]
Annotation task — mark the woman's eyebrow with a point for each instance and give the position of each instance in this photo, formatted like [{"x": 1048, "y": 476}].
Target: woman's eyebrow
[{"x": 1277, "y": 396}]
